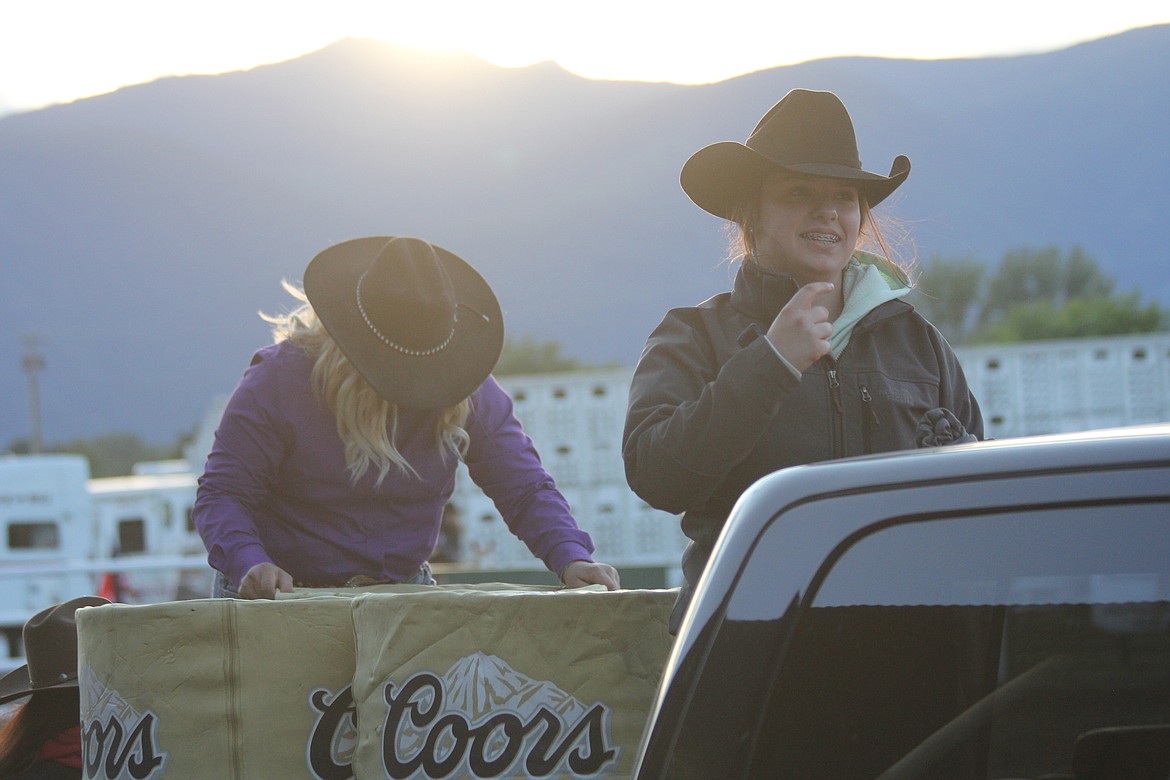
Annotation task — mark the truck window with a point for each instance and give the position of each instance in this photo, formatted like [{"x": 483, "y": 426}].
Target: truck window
[{"x": 997, "y": 646}]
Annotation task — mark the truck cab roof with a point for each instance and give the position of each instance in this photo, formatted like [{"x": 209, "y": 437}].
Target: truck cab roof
[{"x": 999, "y": 609}]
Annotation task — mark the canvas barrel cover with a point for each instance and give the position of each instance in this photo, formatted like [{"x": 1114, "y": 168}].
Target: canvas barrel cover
[
  {"x": 506, "y": 683},
  {"x": 217, "y": 688}
]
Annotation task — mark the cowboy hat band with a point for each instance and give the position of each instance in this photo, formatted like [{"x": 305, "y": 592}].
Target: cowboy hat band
[
  {"x": 418, "y": 323},
  {"x": 806, "y": 132},
  {"x": 50, "y": 644}
]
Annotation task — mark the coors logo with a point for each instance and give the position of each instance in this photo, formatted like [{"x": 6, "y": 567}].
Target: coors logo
[
  {"x": 481, "y": 719},
  {"x": 484, "y": 719},
  {"x": 117, "y": 742},
  {"x": 334, "y": 736}
]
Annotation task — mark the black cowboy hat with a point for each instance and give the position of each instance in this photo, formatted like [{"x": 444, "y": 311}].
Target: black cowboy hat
[
  {"x": 416, "y": 321},
  {"x": 50, "y": 644},
  {"x": 807, "y": 132}
]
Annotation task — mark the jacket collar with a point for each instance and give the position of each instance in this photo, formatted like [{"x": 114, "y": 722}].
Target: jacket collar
[{"x": 759, "y": 293}]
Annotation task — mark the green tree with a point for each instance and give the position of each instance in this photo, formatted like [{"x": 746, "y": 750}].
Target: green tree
[
  {"x": 529, "y": 356},
  {"x": 1078, "y": 318},
  {"x": 947, "y": 292},
  {"x": 1032, "y": 295},
  {"x": 111, "y": 455},
  {"x": 1028, "y": 276}
]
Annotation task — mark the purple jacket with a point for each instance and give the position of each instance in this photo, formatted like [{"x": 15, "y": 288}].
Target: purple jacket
[{"x": 276, "y": 487}]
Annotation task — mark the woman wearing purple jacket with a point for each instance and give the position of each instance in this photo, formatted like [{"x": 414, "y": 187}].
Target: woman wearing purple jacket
[{"x": 337, "y": 451}]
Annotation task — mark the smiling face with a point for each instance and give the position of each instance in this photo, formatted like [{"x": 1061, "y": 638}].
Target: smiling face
[{"x": 807, "y": 226}]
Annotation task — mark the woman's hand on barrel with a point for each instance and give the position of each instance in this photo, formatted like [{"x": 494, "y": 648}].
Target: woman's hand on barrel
[
  {"x": 580, "y": 573},
  {"x": 263, "y": 580}
]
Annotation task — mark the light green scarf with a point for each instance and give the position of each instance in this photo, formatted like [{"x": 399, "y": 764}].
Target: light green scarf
[{"x": 869, "y": 280}]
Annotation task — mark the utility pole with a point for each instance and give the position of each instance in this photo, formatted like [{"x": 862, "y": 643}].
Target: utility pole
[{"x": 33, "y": 362}]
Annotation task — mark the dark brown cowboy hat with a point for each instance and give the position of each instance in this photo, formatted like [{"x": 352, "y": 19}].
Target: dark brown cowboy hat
[
  {"x": 420, "y": 324},
  {"x": 50, "y": 644},
  {"x": 807, "y": 132}
]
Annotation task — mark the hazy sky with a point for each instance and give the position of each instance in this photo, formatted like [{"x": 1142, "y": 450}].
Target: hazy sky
[{"x": 58, "y": 50}]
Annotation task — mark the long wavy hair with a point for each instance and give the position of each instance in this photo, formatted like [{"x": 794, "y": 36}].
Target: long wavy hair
[
  {"x": 366, "y": 422},
  {"x": 41, "y": 718}
]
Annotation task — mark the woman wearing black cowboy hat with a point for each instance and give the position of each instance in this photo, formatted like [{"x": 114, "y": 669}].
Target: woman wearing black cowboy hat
[
  {"x": 336, "y": 454},
  {"x": 42, "y": 740},
  {"x": 813, "y": 355}
]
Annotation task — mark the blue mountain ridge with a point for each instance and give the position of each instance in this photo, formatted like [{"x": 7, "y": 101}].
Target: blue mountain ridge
[{"x": 141, "y": 231}]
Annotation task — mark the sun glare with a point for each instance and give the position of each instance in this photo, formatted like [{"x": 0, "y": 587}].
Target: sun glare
[
  {"x": 58, "y": 50},
  {"x": 508, "y": 35}
]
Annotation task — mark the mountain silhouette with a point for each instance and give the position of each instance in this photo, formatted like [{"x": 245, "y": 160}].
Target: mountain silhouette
[
  {"x": 480, "y": 684},
  {"x": 141, "y": 231}
]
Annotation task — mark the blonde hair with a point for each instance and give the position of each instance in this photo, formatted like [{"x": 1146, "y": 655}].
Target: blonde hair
[{"x": 366, "y": 422}]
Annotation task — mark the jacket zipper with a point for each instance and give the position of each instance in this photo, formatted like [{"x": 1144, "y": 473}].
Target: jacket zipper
[
  {"x": 838, "y": 426},
  {"x": 869, "y": 420}
]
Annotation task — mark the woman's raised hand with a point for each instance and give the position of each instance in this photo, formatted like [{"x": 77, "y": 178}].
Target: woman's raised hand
[{"x": 801, "y": 331}]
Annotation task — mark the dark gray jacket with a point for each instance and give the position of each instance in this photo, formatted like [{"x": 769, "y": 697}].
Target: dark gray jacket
[{"x": 712, "y": 408}]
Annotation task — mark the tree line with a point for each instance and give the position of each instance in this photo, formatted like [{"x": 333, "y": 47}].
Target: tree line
[
  {"x": 1031, "y": 295},
  {"x": 115, "y": 454}
]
